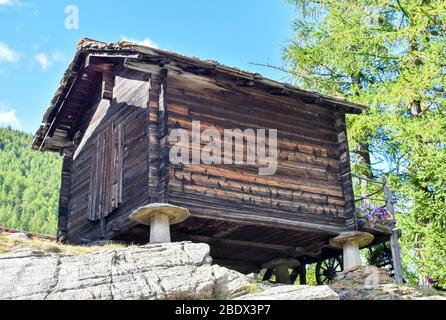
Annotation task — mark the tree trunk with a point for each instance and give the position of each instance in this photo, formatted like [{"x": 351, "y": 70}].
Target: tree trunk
[{"x": 415, "y": 109}]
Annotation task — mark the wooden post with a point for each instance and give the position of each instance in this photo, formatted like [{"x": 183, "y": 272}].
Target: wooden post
[
  {"x": 64, "y": 196},
  {"x": 394, "y": 239},
  {"x": 303, "y": 274},
  {"x": 345, "y": 167}
]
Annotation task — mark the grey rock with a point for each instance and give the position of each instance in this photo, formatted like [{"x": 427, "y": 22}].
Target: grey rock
[
  {"x": 230, "y": 283},
  {"x": 21, "y": 236},
  {"x": 162, "y": 271},
  {"x": 101, "y": 243},
  {"x": 285, "y": 292},
  {"x": 372, "y": 283},
  {"x": 167, "y": 272}
]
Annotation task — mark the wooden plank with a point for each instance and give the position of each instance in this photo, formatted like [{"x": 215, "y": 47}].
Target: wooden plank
[
  {"x": 93, "y": 180},
  {"x": 251, "y": 177},
  {"x": 224, "y": 210},
  {"x": 247, "y": 244},
  {"x": 119, "y": 164},
  {"x": 64, "y": 197}
]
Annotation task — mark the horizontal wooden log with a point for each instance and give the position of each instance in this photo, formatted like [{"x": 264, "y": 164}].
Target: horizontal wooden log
[
  {"x": 222, "y": 210},
  {"x": 229, "y": 172},
  {"x": 247, "y": 244}
]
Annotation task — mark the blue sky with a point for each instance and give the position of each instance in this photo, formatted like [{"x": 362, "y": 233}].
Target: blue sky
[{"x": 36, "y": 47}]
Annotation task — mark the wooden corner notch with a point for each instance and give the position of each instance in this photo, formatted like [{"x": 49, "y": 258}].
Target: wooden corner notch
[
  {"x": 108, "y": 83},
  {"x": 104, "y": 67}
]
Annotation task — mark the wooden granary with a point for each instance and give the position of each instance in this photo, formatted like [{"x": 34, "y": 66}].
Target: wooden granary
[{"x": 111, "y": 119}]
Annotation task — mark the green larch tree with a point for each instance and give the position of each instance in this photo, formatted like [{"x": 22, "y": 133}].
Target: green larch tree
[{"x": 391, "y": 56}]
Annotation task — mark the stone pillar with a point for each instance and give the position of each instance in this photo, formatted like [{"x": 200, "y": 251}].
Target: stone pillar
[
  {"x": 351, "y": 255},
  {"x": 160, "y": 216},
  {"x": 160, "y": 229},
  {"x": 350, "y": 243}
]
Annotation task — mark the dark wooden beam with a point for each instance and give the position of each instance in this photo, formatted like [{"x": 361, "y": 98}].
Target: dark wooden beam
[
  {"x": 323, "y": 227},
  {"x": 227, "y": 231},
  {"x": 86, "y": 102},
  {"x": 58, "y": 116},
  {"x": 241, "y": 266},
  {"x": 98, "y": 64},
  {"x": 248, "y": 244},
  {"x": 303, "y": 275}
]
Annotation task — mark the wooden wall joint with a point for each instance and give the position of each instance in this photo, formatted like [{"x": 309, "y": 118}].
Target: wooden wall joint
[
  {"x": 164, "y": 148},
  {"x": 64, "y": 197},
  {"x": 108, "y": 82},
  {"x": 157, "y": 130},
  {"x": 344, "y": 161}
]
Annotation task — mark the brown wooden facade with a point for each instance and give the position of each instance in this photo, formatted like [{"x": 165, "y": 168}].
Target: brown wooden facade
[{"x": 111, "y": 119}]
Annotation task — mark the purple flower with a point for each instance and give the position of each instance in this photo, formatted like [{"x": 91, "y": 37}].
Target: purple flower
[{"x": 377, "y": 215}]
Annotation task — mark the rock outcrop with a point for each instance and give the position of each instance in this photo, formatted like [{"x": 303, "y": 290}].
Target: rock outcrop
[
  {"x": 286, "y": 292},
  {"x": 372, "y": 283},
  {"x": 165, "y": 271}
]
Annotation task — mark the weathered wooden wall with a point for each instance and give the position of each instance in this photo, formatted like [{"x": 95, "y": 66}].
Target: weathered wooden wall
[
  {"x": 307, "y": 189},
  {"x": 128, "y": 112},
  {"x": 307, "y": 199}
]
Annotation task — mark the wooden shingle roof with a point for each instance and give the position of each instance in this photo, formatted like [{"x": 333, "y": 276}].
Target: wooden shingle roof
[{"x": 76, "y": 82}]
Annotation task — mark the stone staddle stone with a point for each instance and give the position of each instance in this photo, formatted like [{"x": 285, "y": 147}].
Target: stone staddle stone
[
  {"x": 145, "y": 214},
  {"x": 351, "y": 242},
  {"x": 360, "y": 238}
]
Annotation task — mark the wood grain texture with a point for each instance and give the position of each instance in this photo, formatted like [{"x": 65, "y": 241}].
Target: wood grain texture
[{"x": 307, "y": 185}]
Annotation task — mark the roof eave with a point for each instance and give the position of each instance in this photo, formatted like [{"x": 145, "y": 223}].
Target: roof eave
[{"x": 88, "y": 47}]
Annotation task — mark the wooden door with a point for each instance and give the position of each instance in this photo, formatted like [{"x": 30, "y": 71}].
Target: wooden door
[{"x": 106, "y": 173}]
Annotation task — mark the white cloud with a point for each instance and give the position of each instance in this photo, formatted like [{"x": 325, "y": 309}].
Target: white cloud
[
  {"x": 7, "y": 54},
  {"x": 46, "y": 60},
  {"x": 8, "y": 118},
  {"x": 5, "y": 5},
  {"x": 146, "y": 42},
  {"x": 43, "y": 60},
  {"x": 58, "y": 56},
  {"x": 7, "y": 2}
]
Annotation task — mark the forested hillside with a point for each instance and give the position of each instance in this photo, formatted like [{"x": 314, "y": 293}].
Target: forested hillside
[{"x": 29, "y": 184}]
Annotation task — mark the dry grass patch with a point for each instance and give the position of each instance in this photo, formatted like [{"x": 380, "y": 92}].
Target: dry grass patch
[{"x": 8, "y": 245}]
